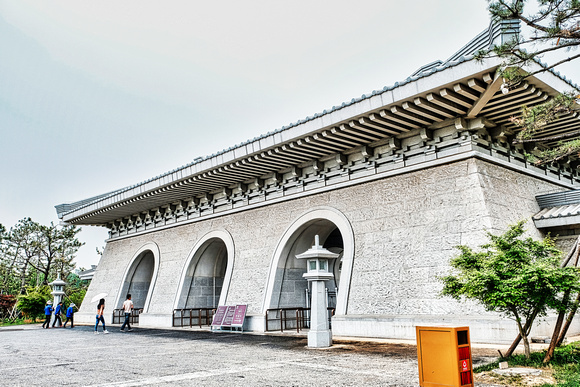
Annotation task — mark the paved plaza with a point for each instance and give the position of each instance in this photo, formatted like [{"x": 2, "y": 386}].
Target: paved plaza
[{"x": 31, "y": 356}]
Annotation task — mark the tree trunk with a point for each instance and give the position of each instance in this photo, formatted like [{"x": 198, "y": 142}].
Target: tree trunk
[
  {"x": 526, "y": 328},
  {"x": 23, "y": 278},
  {"x": 559, "y": 331},
  {"x": 526, "y": 346},
  {"x": 524, "y": 336},
  {"x": 514, "y": 345},
  {"x": 556, "y": 333},
  {"x": 569, "y": 319}
]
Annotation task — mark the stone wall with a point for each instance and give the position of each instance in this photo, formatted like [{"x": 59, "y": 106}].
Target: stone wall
[
  {"x": 405, "y": 230},
  {"x": 204, "y": 292}
]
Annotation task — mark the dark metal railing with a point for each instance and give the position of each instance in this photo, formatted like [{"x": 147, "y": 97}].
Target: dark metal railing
[
  {"x": 287, "y": 318},
  {"x": 187, "y": 316},
  {"x": 119, "y": 316},
  {"x": 280, "y": 319}
]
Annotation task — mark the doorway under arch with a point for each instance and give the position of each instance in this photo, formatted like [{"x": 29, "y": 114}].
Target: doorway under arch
[
  {"x": 139, "y": 278},
  {"x": 206, "y": 276},
  {"x": 286, "y": 286}
]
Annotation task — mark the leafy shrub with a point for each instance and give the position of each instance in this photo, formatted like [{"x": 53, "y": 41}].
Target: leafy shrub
[{"x": 32, "y": 303}]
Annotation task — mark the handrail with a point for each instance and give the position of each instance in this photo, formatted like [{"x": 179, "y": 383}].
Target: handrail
[
  {"x": 119, "y": 316},
  {"x": 204, "y": 316},
  {"x": 301, "y": 316}
]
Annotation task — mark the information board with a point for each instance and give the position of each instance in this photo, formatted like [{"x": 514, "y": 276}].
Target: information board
[
  {"x": 239, "y": 315},
  {"x": 229, "y": 317},
  {"x": 219, "y": 315}
]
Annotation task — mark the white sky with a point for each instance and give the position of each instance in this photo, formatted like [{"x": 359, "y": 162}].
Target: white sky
[{"x": 99, "y": 95}]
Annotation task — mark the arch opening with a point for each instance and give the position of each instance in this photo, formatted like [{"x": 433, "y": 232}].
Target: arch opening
[
  {"x": 204, "y": 278},
  {"x": 290, "y": 289},
  {"x": 138, "y": 280}
]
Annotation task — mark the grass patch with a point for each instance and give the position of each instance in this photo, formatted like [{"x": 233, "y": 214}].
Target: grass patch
[
  {"x": 565, "y": 364},
  {"x": 18, "y": 321},
  {"x": 486, "y": 367},
  {"x": 568, "y": 375}
]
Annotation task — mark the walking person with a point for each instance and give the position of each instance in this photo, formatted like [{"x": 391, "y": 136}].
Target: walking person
[
  {"x": 47, "y": 314},
  {"x": 70, "y": 311},
  {"x": 128, "y": 308},
  {"x": 100, "y": 311},
  {"x": 57, "y": 313}
]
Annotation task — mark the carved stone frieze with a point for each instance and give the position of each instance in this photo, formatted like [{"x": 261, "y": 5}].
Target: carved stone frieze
[{"x": 424, "y": 147}]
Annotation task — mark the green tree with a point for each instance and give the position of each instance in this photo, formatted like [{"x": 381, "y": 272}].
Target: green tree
[
  {"x": 19, "y": 248},
  {"x": 32, "y": 254},
  {"x": 58, "y": 246},
  {"x": 8, "y": 283},
  {"x": 32, "y": 303},
  {"x": 75, "y": 290},
  {"x": 518, "y": 277},
  {"x": 555, "y": 33},
  {"x": 555, "y": 26}
]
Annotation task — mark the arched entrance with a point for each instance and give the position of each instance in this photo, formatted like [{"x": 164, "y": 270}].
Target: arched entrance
[
  {"x": 292, "y": 289},
  {"x": 139, "y": 279},
  {"x": 205, "y": 279},
  {"x": 287, "y": 289}
]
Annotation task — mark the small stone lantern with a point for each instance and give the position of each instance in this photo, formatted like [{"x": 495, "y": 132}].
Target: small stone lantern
[
  {"x": 57, "y": 290},
  {"x": 317, "y": 273}
]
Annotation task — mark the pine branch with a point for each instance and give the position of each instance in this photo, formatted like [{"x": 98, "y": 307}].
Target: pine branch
[
  {"x": 555, "y": 64},
  {"x": 544, "y": 139}
]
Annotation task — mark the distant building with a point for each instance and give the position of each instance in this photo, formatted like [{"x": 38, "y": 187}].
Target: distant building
[
  {"x": 87, "y": 275},
  {"x": 392, "y": 181}
]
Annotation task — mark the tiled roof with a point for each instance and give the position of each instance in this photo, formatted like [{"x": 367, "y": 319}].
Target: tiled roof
[
  {"x": 558, "y": 212},
  {"x": 558, "y": 209},
  {"x": 286, "y": 133}
]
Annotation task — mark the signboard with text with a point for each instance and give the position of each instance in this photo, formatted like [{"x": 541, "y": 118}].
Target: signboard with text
[
  {"x": 229, "y": 317},
  {"x": 239, "y": 316},
  {"x": 219, "y": 315}
]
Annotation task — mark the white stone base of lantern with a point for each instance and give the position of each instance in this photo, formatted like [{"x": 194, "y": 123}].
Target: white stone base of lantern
[{"x": 319, "y": 336}]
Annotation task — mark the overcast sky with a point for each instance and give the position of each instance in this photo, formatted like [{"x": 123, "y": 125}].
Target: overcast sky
[{"x": 99, "y": 95}]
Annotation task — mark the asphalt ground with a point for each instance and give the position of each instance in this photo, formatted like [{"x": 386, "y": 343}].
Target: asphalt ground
[{"x": 32, "y": 356}]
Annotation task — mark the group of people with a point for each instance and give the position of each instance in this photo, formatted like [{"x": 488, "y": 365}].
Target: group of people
[
  {"x": 48, "y": 309},
  {"x": 127, "y": 308}
]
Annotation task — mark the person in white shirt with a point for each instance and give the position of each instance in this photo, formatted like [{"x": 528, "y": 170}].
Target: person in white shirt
[{"x": 128, "y": 308}]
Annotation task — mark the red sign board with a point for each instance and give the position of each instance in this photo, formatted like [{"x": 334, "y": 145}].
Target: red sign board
[
  {"x": 229, "y": 317},
  {"x": 464, "y": 365},
  {"x": 239, "y": 316},
  {"x": 219, "y": 315}
]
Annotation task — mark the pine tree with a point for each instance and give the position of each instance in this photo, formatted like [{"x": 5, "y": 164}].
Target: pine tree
[{"x": 554, "y": 37}]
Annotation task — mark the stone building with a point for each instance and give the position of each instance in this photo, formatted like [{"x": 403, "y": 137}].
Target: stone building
[{"x": 391, "y": 181}]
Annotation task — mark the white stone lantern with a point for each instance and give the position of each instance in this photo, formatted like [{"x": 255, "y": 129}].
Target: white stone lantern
[
  {"x": 317, "y": 274},
  {"x": 57, "y": 290}
]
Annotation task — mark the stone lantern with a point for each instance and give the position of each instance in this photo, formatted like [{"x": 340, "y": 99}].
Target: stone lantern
[
  {"x": 317, "y": 273},
  {"x": 57, "y": 290}
]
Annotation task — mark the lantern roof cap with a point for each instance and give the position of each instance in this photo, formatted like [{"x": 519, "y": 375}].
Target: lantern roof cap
[
  {"x": 57, "y": 282},
  {"x": 317, "y": 251}
]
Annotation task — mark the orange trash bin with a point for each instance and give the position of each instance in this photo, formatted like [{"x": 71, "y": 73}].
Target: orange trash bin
[{"x": 444, "y": 356}]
